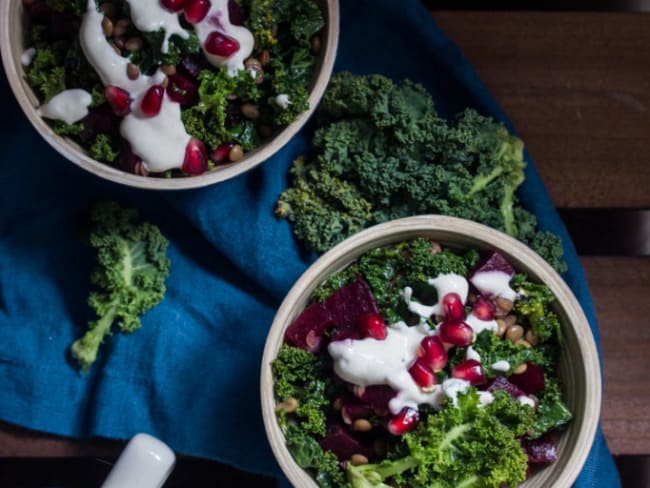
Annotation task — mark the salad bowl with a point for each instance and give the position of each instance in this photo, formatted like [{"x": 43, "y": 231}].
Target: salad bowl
[
  {"x": 16, "y": 55},
  {"x": 578, "y": 368}
]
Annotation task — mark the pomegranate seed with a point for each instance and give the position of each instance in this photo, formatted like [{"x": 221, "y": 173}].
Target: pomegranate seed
[
  {"x": 404, "y": 421},
  {"x": 222, "y": 153},
  {"x": 173, "y": 5},
  {"x": 453, "y": 308},
  {"x": 183, "y": 90},
  {"x": 196, "y": 159},
  {"x": 196, "y": 10},
  {"x": 422, "y": 375},
  {"x": 221, "y": 45},
  {"x": 483, "y": 309},
  {"x": 469, "y": 370},
  {"x": 372, "y": 325},
  {"x": 152, "y": 101},
  {"x": 433, "y": 352},
  {"x": 118, "y": 99},
  {"x": 456, "y": 334}
]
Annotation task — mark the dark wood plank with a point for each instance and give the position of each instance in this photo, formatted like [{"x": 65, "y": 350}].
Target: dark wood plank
[
  {"x": 620, "y": 288},
  {"x": 577, "y": 87}
]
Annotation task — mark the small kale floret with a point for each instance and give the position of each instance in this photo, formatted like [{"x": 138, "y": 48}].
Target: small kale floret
[
  {"x": 532, "y": 308},
  {"x": 510, "y": 412},
  {"x": 374, "y": 475},
  {"x": 305, "y": 378},
  {"x": 551, "y": 412},
  {"x": 466, "y": 446},
  {"x": 308, "y": 454},
  {"x": 130, "y": 274},
  {"x": 493, "y": 348}
]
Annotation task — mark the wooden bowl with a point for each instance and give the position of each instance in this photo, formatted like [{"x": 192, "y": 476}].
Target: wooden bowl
[
  {"x": 12, "y": 40},
  {"x": 579, "y": 367}
]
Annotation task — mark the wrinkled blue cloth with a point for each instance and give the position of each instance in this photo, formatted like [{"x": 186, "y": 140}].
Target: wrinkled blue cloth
[{"x": 190, "y": 375}]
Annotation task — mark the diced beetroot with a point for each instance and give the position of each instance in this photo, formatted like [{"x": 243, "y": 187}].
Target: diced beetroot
[
  {"x": 354, "y": 409},
  {"x": 494, "y": 262},
  {"x": 128, "y": 161},
  {"x": 348, "y": 303},
  {"x": 540, "y": 450},
  {"x": 236, "y": 13},
  {"x": 182, "y": 89},
  {"x": 39, "y": 12},
  {"x": 339, "y": 311},
  {"x": 530, "y": 381},
  {"x": 342, "y": 442},
  {"x": 500, "y": 383},
  {"x": 192, "y": 64},
  {"x": 100, "y": 120},
  {"x": 62, "y": 25},
  {"x": 309, "y": 327},
  {"x": 378, "y": 396},
  {"x": 347, "y": 331}
]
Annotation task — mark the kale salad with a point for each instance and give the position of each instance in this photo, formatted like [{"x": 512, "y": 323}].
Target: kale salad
[
  {"x": 422, "y": 366},
  {"x": 171, "y": 87}
]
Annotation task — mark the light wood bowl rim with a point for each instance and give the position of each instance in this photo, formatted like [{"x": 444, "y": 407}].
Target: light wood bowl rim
[
  {"x": 449, "y": 230},
  {"x": 11, "y": 33}
]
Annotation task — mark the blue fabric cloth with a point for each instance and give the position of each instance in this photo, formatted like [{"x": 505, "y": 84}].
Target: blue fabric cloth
[{"x": 190, "y": 375}]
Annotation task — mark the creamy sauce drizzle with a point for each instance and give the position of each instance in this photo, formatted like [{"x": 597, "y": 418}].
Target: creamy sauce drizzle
[
  {"x": 28, "y": 56},
  {"x": 282, "y": 100},
  {"x": 218, "y": 19},
  {"x": 69, "y": 106},
  {"x": 502, "y": 366},
  {"x": 149, "y": 17},
  {"x": 494, "y": 283}
]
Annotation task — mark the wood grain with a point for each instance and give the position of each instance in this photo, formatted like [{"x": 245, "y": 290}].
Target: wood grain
[
  {"x": 621, "y": 287},
  {"x": 577, "y": 87}
]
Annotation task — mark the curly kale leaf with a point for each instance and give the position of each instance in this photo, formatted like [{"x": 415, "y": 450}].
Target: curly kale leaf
[
  {"x": 208, "y": 120},
  {"x": 47, "y": 74},
  {"x": 305, "y": 377},
  {"x": 551, "y": 412},
  {"x": 532, "y": 308},
  {"x": 130, "y": 274},
  {"x": 466, "y": 445},
  {"x": 102, "y": 149},
  {"x": 310, "y": 456},
  {"x": 385, "y": 142}
]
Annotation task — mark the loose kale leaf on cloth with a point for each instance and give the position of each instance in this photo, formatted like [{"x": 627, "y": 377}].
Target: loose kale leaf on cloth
[{"x": 190, "y": 375}]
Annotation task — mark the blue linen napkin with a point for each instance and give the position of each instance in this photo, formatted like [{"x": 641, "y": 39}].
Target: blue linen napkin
[{"x": 190, "y": 375}]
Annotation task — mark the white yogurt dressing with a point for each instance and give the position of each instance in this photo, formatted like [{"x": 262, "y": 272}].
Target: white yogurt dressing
[
  {"x": 502, "y": 366},
  {"x": 526, "y": 400},
  {"x": 28, "y": 56},
  {"x": 471, "y": 353},
  {"x": 218, "y": 19},
  {"x": 444, "y": 284},
  {"x": 494, "y": 283},
  {"x": 149, "y": 17},
  {"x": 69, "y": 106},
  {"x": 479, "y": 325},
  {"x": 282, "y": 100}
]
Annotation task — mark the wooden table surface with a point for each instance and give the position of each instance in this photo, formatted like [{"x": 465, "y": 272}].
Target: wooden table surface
[{"x": 577, "y": 87}]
